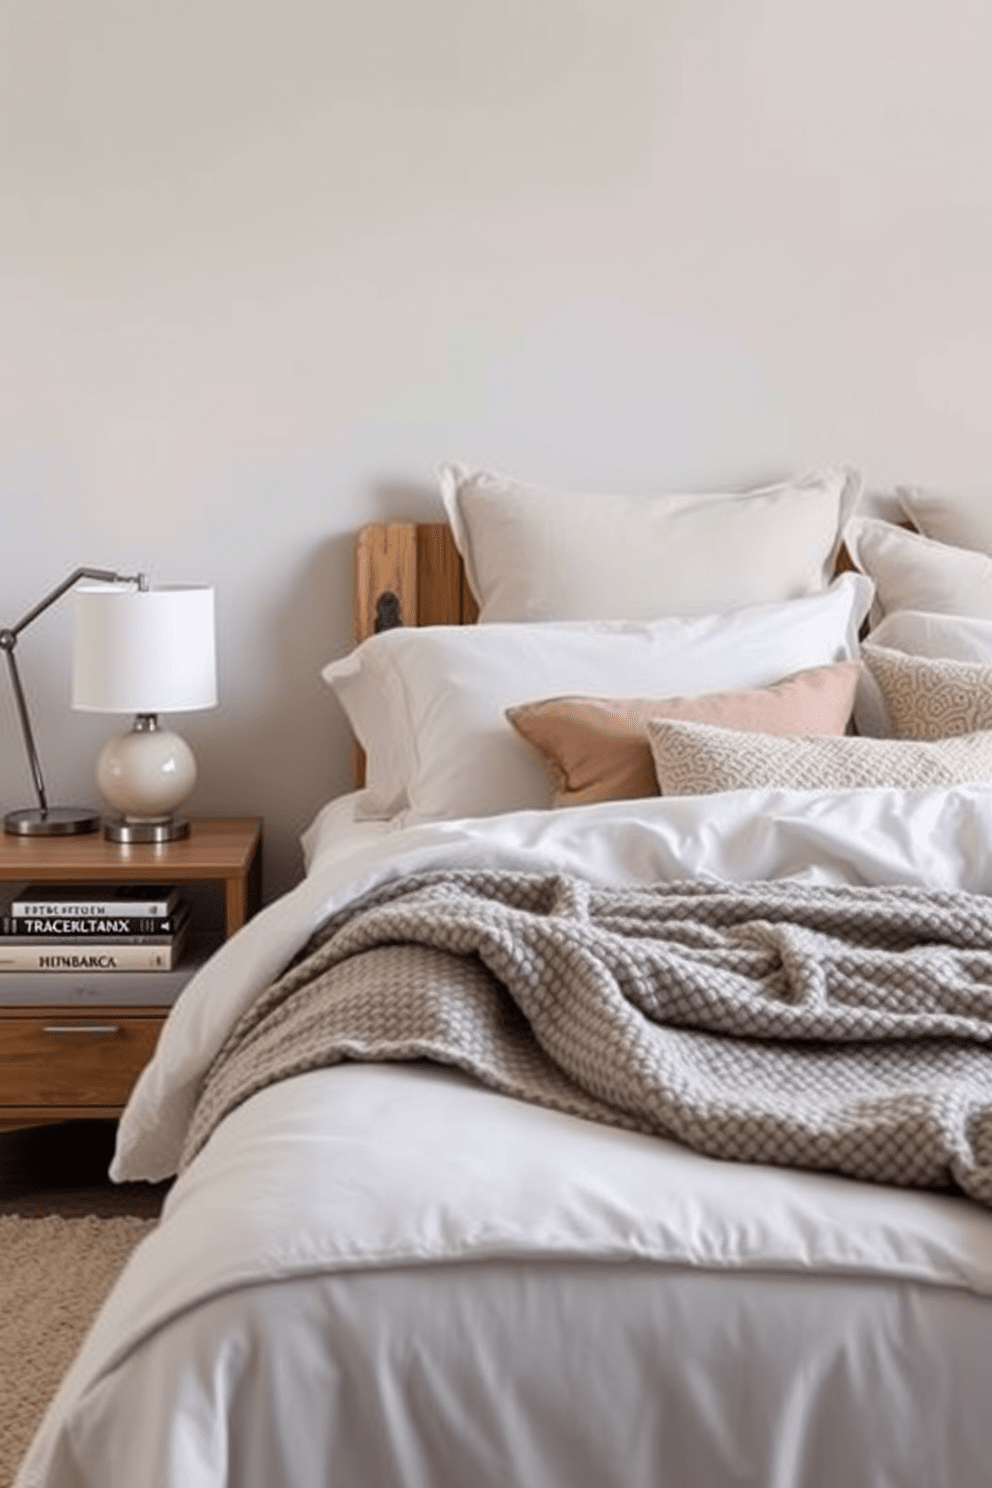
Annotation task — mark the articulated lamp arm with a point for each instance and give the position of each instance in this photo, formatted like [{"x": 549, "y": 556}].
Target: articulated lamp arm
[{"x": 42, "y": 820}]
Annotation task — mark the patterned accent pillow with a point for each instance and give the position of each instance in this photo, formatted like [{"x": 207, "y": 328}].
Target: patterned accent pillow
[
  {"x": 697, "y": 759},
  {"x": 931, "y": 699}
]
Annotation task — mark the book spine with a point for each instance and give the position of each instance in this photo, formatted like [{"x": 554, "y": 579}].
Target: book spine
[
  {"x": 96, "y": 909},
  {"x": 66, "y": 927},
  {"x": 79, "y": 956}
]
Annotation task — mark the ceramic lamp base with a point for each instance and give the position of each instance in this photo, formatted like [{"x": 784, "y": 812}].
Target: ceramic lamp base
[{"x": 145, "y": 774}]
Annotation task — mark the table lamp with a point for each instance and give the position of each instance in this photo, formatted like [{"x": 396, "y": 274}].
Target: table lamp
[
  {"x": 44, "y": 820},
  {"x": 144, "y": 651}
]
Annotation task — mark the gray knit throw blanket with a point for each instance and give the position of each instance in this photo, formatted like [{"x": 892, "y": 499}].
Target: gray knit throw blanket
[{"x": 842, "y": 1029}]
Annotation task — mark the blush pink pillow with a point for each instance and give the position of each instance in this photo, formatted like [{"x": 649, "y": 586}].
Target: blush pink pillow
[{"x": 597, "y": 749}]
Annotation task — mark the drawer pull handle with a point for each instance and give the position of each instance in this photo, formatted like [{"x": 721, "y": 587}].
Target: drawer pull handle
[{"x": 81, "y": 1028}]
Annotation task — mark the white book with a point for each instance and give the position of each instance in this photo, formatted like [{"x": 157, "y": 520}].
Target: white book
[
  {"x": 94, "y": 901},
  {"x": 102, "y": 989}
]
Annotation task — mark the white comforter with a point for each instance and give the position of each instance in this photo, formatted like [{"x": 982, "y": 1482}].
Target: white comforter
[{"x": 308, "y": 1243}]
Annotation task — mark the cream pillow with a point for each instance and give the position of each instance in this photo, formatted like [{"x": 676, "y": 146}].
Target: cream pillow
[
  {"x": 536, "y": 554},
  {"x": 596, "y": 749},
  {"x": 964, "y": 522},
  {"x": 694, "y": 759},
  {"x": 930, "y": 699},
  {"x": 953, "y": 637},
  {"x": 912, "y": 573}
]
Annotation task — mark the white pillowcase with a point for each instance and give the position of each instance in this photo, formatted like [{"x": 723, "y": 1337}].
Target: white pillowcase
[
  {"x": 963, "y": 522},
  {"x": 428, "y": 704},
  {"x": 942, "y": 637},
  {"x": 911, "y": 572},
  {"x": 535, "y": 554},
  {"x": 696, "y": 759}
]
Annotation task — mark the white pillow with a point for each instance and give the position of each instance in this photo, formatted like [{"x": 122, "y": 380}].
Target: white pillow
[
  {"x": 534, "y": 554},
  {"x": 428, "y": 704},
  {"x": 358, "y": 687},
  {"x": 696, "y": 759},
  {"x": 961, "y": 521},
  {"x": 947, "y": 637},
  {"x": 911, "y": 572}
]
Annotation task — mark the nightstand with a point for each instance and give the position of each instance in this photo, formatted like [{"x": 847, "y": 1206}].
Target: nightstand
[{"x": 73, "y": 1044}]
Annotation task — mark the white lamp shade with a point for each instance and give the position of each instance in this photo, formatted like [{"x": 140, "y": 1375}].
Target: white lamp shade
[{"x": 144, "y": 650}]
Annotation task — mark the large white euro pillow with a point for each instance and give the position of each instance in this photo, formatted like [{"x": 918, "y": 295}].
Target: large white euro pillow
[
  {"x": 911, "y": 572},
  {"x": 962, "y": 521},
  {"x": 537, "y": 554},
  {"x": 428, "y": 705},
  {"x": 942, "y": 637}
]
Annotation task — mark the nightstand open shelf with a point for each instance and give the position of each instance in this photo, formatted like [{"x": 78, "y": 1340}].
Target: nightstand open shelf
[{"x": 72, "y": 1044}]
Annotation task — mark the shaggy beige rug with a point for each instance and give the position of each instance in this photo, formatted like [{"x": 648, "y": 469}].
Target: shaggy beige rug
[{"x": 54, "y": 1274}]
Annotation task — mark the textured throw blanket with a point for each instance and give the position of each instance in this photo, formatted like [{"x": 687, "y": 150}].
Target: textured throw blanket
[{"x": 845, "y": 1029}]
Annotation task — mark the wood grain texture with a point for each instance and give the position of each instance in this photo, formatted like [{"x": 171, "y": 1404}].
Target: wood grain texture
[
  {"x": 217, "y": 847},
  {"x": 419, "y": 564},
  {"x": 45, "y": 1065},
  {"x": 439, "y": 576},
  {"x": 385, "y": 563}
]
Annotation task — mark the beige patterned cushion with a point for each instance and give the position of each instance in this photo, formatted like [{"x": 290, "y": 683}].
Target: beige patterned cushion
[
  {"x": 931, "y": 699},
  {"x": 694, "y": 759}
]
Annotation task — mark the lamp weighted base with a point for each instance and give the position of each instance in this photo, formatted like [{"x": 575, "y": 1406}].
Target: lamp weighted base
[
  {"x": 167, "y": 829},
  {"x": 54, "y": 821}
]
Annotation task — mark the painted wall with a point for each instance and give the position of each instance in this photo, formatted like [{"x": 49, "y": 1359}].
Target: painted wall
[{"x": 263, "y": 266}]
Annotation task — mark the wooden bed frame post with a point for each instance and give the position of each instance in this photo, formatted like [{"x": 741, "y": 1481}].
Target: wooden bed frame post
[{"x": 407, "y": 573}]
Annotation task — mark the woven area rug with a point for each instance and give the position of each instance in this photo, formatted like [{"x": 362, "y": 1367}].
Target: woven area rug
[{"x": 54, "y": 1274}]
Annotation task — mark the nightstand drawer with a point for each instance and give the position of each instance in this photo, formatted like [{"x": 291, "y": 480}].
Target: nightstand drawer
[{"x": 60, "y": 1058}]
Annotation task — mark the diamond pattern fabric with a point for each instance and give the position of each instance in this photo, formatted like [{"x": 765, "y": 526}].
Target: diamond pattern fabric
[{"x": 697, "y": 759}]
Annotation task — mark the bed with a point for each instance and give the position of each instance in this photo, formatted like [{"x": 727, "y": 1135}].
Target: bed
[{"x": 400, "y": 1253}]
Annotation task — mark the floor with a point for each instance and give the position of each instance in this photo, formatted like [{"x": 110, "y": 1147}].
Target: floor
[{"x": 62, "y": 1170}]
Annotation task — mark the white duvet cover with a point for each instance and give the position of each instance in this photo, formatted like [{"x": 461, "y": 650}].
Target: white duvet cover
[{"x": 386, "y": 1275}]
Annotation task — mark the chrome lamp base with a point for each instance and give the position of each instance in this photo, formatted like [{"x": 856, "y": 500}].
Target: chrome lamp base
[
  {"x": 51, "y": 821},
  {"x": 161, "y": 829}
]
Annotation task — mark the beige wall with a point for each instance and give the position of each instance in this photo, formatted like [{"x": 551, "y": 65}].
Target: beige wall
[{"x": 263, "y": 265}]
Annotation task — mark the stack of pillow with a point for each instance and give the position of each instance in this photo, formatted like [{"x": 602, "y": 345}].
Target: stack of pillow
[
  {"x": 628, "y": 644},
  {"x": 929, "y": 652}
]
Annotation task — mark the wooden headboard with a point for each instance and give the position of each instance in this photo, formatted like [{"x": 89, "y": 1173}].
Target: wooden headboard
[{"x": 409, "y": 573}]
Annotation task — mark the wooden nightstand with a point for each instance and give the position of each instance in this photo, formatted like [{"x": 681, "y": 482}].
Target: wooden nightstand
[{"x": 73, "y": 1044}]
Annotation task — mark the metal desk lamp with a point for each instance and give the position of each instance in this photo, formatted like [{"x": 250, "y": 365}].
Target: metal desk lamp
[{"x": 44, "y": 820}]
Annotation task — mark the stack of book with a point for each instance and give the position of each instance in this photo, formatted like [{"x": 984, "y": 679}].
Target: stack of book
[{"x": 93, "y": 927}]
